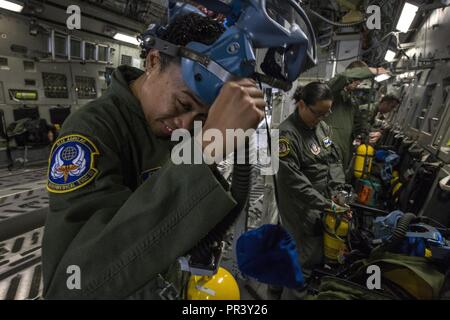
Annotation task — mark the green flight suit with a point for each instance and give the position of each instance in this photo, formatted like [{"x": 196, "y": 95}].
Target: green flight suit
[
  {"x": 346, "y": 121},
  {"x": 138, "y": 212},
  {"x": 369, "y": 112},
  {"x": 310, "y": 169}
]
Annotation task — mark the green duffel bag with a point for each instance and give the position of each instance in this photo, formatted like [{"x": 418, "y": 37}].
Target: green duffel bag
[
  {"x": 333, "y": 288},
  {"x": 402, "y": 277},
  {"x": 416, "y": 277}
]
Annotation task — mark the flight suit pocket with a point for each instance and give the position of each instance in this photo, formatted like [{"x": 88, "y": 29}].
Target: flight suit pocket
[{"x": 336, "y": 173}]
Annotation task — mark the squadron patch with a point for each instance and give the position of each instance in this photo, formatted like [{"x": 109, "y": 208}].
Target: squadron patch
[
  {"x": 315, "y": 149},
  {"x": 284, "y": 147},
  {"x": 327, "y": 142},
  {"x": 71, "y": 164}
]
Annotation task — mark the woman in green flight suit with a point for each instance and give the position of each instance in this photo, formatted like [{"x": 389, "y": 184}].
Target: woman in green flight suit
[{"x": 310, "y": 169}]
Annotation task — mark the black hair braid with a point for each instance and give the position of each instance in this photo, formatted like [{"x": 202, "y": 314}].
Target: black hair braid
[
  {"x": 192, "y": 27},
  {"x": 313, "y": 92}
]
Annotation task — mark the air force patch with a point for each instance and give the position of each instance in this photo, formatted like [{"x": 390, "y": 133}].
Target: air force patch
[
  {"x": 327, "y": 142},
  {"x": 315, "y": 149},
  {"x": 284, "y": 147},
  {"x": 71, "y": 164}
]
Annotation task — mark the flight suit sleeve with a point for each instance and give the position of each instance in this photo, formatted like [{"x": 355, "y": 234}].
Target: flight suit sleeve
[
  {"x": 120, "y": 239},
  {"x": 294, "y": 187},
  {"x": 340, "y": 81},
  {"x": 337, "y": 174},
  {"x": 336, "y": 169},
  {"x": 360, "y": 73}
]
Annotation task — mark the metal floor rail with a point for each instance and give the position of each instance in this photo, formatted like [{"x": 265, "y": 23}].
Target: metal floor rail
[
  {"x": 23, "y": 209},
  {"x": 20, "y": 266}
]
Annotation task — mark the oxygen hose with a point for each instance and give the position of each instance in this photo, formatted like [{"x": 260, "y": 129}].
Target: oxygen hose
[
  {"x": 239, "y": 190},
  {"x": 337, "y": 24},
  {"x": 400, "y": 230}
]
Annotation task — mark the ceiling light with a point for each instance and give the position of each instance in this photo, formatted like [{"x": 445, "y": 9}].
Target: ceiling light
[
  {"x": 406, "y": 18},
  {"x": 15, "y": 6},
  {"x": 382, "y": 77},
  {"x": 390, "y": 55},
  {"x": 126, "y": 38}
]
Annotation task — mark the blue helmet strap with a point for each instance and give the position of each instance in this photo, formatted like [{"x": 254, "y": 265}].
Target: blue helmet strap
[{"x": 184, "y": 52}]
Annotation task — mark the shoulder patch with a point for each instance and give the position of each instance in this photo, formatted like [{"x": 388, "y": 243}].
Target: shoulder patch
[
  {"x": 315, "y": 149},
  {"x": 327, "y": 142},
  {"x": 284, "y": 147},
  {"x": 71, "y": 164}
]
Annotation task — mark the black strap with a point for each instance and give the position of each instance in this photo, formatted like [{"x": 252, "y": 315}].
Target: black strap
[{"x": 269, "y": 144}]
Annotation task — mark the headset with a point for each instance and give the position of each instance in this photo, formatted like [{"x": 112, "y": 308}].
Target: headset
[{"x": 280, "y": 28}]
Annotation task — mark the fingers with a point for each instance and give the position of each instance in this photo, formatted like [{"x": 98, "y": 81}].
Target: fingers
[
  {"x": 246, "y": 82},
  {"x": 246, "y": 94},
  {"x": 254, "y": 92},
  {"x": 250, "y": 87}
]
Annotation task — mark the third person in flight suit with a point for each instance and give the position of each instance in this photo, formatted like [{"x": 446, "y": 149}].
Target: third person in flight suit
[
  {"x": 383, "y": 116},
  {"x": 347, "y": 122}
]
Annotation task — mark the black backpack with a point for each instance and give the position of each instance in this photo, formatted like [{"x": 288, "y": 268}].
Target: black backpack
[{"x": 29, "y": 132}]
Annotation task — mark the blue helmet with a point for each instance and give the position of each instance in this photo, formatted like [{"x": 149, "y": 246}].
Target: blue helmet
[{"x": 280, "y": 27}]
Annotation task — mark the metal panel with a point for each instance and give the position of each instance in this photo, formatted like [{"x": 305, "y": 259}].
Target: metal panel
[
  {"x": 37, "y": 60},
  {"x": 347, "y": 51},
  {"x": 2, "y": 94},
  {"x": 437, "y": 204}
]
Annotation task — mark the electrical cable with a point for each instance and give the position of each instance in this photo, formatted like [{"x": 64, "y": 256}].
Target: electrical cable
[
  {"x": 337, "y": 24},
  {"x": 363, "y": 52},
  {"x": 269, "y": 145}
]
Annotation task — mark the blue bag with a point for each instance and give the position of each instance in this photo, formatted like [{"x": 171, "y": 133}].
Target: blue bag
[{"x": 269, "y": 255}]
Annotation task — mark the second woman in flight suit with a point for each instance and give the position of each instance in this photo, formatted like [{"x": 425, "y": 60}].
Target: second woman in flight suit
[{"x": 310, "y": 169}]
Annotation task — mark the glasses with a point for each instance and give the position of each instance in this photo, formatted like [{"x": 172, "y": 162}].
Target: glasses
[{"x": 320, "y": 115}]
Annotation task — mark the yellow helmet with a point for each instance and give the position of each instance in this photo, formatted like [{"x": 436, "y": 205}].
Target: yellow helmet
[{"x": 221, "y": 286}]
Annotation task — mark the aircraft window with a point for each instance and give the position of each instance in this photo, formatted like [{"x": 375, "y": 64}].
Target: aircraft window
[
  {"x": 75, "y": 48},
  {"x": 89, "y": 53},
  {"x": 60, "y": 45},
  {"x": 102, "y": 53}
]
